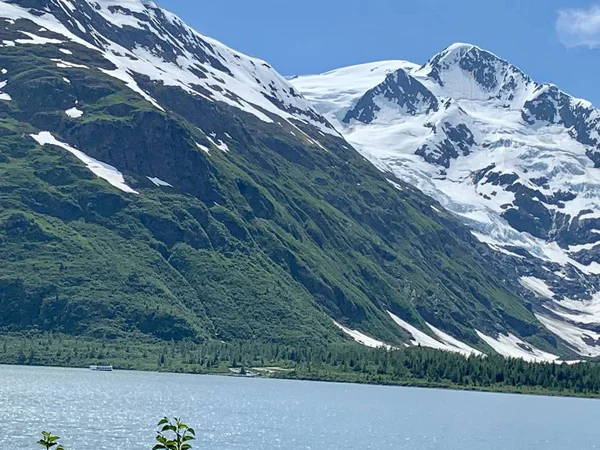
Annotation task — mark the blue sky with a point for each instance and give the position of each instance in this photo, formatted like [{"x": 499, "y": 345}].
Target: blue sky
[{"x": 555, "y": 41}]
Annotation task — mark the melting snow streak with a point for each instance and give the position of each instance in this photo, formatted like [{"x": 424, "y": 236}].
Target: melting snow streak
[{"x": 100, "y": 169}]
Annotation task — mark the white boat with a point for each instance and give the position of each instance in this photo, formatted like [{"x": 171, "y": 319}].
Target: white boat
[{"x": 102, "y": 368}]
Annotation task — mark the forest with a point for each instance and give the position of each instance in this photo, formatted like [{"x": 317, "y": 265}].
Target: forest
[{"x": 415, "y": 366}]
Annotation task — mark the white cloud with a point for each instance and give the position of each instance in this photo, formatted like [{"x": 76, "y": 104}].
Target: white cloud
[{"x": 579, "y": 27}]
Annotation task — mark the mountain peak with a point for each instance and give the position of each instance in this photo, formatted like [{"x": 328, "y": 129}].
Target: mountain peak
[
  {"x": 469, "y": 72},
  {"x": 459, "y": 48},
  {"x": 458, "y": 51},
  {"x": 399, "y": 94}
]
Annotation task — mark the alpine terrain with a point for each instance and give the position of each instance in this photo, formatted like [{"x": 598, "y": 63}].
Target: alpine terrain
[
  {"x": 156, "y": 184},
  {"x": 515, "y": 160}
]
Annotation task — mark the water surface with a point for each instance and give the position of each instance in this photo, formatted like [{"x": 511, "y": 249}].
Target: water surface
[{"x": 117, "y": 410}]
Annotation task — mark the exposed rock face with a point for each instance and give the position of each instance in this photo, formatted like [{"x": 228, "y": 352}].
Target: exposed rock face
[{"x": 400, "y": 93}]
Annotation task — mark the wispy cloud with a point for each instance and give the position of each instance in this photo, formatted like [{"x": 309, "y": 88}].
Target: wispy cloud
[{"x": 579, "y": 27}]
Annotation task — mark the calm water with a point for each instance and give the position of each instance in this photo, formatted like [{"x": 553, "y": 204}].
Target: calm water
[{"x": 237, "y": 413}]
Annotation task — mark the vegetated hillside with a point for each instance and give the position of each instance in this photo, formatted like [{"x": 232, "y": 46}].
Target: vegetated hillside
[{"x": 155, "y": 183}]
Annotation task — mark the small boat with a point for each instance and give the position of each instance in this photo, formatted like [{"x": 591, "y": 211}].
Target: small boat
[{"x": 101, "y": 368}]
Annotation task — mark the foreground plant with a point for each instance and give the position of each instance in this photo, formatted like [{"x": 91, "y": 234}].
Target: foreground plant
[
  {"x": 173, "y": 435},
  {"x": 49, "y": 441}
]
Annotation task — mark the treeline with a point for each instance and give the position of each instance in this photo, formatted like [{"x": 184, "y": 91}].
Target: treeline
[
  {"x": 428, "y": 367},
  {"x": 336, "y": 362}
]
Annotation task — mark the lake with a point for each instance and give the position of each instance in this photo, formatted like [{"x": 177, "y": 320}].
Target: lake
[{"x": 118, "y": 410}]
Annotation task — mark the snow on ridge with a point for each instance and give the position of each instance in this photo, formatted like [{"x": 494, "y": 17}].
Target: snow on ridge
[
  {"x": 449, "y": 74},
  {"x": 100, "y": 169},
  {"x": 446, "y": 343},
  {"x": 512, "y": 347},
  {"x": 251, "y": 85},
  {"x": 114, "y": 11},
  {"x": 362, "y": 338},
  {"x": 336, "y": 91}
]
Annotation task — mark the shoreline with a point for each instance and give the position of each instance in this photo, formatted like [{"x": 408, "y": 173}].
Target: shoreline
[{"x": 290, "y": 375}]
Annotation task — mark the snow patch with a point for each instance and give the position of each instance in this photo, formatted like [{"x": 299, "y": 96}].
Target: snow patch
[
  {"x": 61, "y": 64},
  {"x": 582, "y": 341},
  {"x": 36, "y": 40},
  {"x": 159, "y": 182},
  {"x": 396, "y": 185},
  {"x": 74, "y": 113},
  {"x": 537, "y": 286},
  {"x": 212, "y": 137},
  {"x": 100, "y": 169},
  {"x": 452, "y": 342},
  {"x": 362, "y": 338},
  {"x": 585, "y": 312},
  {"x": 494, "y": 245},
  {"x": 3, "y": 95},
  {"x": 125, "y": 77},
  {"x": 447, "y": 343},
  {"x": 512, "y": 347},
  {"x": 203, "y": 148}
]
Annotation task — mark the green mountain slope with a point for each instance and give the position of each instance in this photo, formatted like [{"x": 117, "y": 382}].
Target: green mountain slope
[{"x": 271, "y": 238}]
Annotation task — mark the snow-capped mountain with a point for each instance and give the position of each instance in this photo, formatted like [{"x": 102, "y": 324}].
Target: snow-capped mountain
[
  {"x": 138, "y": 39},
  {"x": 196, "y": 176},
  {"x": 517, "y": 160}
]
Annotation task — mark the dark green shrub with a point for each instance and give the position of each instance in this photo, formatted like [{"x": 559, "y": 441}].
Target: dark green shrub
[{"x": 173, "y": 435}]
